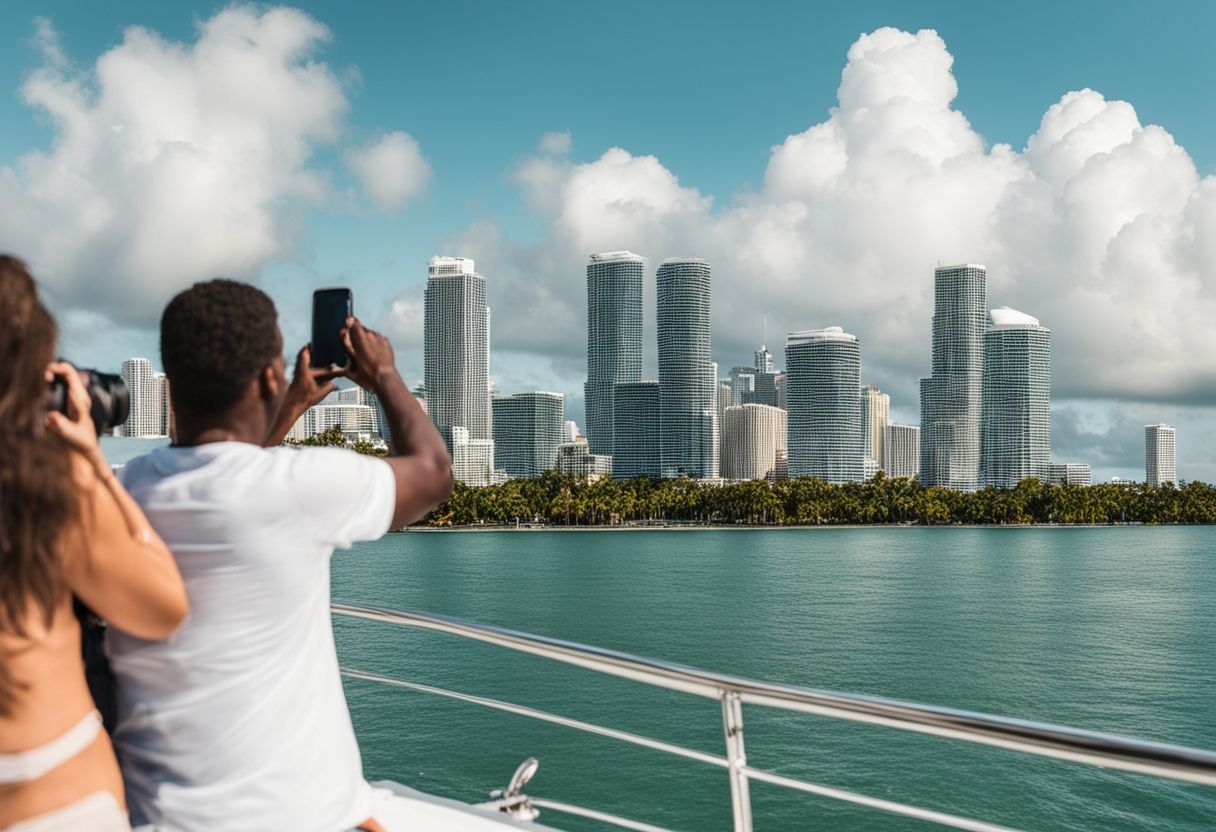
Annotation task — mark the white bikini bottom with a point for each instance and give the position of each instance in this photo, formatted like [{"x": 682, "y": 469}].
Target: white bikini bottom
[
  {"x": 24, "y": 766},
  {"x": 98, "y": 812}
]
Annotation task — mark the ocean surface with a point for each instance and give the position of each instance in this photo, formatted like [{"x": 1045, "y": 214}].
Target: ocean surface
[{"x": 1110, "y": 629}]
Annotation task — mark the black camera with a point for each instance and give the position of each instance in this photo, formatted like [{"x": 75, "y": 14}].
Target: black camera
[{"x": 111, "y": 401}]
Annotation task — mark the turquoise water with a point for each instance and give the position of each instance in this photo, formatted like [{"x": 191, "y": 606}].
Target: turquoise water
[{"x": 1109, "y": 629}]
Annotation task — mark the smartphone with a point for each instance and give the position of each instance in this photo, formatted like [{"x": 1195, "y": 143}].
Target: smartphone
[{"x": 330, "y": 309}]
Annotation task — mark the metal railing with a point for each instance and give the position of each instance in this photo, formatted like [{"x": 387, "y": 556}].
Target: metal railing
[{"x": 1096, "y": 749}]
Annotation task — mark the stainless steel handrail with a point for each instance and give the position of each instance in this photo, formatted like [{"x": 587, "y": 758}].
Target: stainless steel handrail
[{"x": 1092, "y": 748}]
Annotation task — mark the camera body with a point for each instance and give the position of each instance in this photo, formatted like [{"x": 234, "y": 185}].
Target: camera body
[{"x": 111, "y": 401}]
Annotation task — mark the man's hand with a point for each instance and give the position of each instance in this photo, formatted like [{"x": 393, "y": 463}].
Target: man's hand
[
  {"x": 309, "y": 384},
  {"x": 371, "y": 355}
]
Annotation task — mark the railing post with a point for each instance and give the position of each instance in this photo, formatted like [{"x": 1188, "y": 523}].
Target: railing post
[{"x": 736, "y": 756}]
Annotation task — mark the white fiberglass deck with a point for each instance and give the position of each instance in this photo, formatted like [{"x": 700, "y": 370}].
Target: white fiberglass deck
[{"x": 411, "y": 809}]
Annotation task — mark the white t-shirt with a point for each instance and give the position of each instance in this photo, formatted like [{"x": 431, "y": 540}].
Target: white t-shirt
[{"x": 238, "y": 720}]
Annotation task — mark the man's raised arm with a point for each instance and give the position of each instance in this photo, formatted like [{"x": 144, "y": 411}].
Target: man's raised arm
[{"x": 417, "y": 453}]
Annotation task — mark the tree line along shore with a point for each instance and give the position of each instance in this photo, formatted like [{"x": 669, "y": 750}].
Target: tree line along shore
[
  {"x": 561, "y": 501},
  {"x": 556, "y": 500}
]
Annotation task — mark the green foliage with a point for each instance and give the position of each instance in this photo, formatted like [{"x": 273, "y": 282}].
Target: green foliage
[
  {"x": 552, "y": 499},
  {"x": 334, "y": 438}
]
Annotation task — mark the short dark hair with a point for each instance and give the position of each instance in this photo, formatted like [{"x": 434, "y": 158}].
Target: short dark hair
[{"x": 215, "y": 337}]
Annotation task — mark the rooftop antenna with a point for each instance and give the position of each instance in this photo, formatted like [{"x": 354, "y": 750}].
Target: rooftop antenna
[{"x": 764, "y": 343}]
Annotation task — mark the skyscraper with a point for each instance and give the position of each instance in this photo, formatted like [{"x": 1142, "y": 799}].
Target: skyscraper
[
  {"x": 875, "y": 413},
  {"x": 166, "y": 405},
  {"x": 753, "y": 436},
  {"x": 456, "y": 349},
  {"x": 1159, "y": 455},
  {"x": 1015, "y": 432},
  {"x": 614, "y": 337},
  {"x": 637, "y": 451},
  {"x": 687, "y": 379},
  {"x": 901, "y": 450},
  {"x": 823, "y": 368},
  {"x": 146, "y": 416},
  {"x": 950, "y": 399},
  {"x": 527, "y": 431}
]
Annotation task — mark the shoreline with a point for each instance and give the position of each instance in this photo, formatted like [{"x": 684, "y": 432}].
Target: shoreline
[{"x": 745, "y": 528}]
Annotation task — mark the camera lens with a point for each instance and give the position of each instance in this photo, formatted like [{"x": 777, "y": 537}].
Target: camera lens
[{"x": 111, "y": 401}]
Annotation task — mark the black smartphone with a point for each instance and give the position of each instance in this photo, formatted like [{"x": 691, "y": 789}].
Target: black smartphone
[{"x": 330, "y": 309}]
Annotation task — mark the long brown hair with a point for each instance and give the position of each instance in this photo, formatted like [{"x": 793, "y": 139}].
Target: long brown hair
[{"x": 39, "y": 502}]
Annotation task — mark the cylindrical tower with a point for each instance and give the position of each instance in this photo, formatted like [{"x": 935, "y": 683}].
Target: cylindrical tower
[
  {"x": 823, "y": 368},
  {"x": 687, "y": 378},
  {"x": 1015, "y": 436},
  {"x": 614, "y": 338}
]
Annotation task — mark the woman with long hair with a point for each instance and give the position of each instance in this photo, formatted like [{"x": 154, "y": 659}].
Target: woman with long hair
[{"x": 67, "y": 528}]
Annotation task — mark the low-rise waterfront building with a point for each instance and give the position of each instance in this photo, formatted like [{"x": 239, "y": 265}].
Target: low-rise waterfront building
[
  {"x": 574, "y": 459},
  {"x": 752, "y": 437},
  {"x": 1069, "y": 473},
  {"x": 472, "y": 459}
]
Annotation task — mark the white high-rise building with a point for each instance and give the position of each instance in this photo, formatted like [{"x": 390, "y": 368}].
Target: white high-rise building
[
  {"x": 950, "y": 399},
  {"x": 901, "y": 450},
  {"x": 614, "y": 338},
  {"x": 875, "y": 414},
  {"x": 472, "y": 459},
  {"x": 823, "y": 367},
  {"x": 687, "y": 375},
  {"x": 753, "y": 436},
  {"x": 527, "y": 431},
  {"x": 1015, "y": 432},
  {"x": 569, "y": 430},
  {"x": 723, "y": 402},
  {"x": 146, "y": 416},
  {"x": 166, "y": 405},
  {"x": 1159, "y": 447},
  {"x": 456, "y": 349}
]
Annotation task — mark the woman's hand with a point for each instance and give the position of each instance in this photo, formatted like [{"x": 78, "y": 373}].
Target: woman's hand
[{"x": 76, "y": 426}]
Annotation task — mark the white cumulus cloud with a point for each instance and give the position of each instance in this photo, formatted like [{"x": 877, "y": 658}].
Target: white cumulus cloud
[
  {"x": 173, "y": 162},
  {"x": 391, "y": 170},
  {"x": 1099, "y": 225}
]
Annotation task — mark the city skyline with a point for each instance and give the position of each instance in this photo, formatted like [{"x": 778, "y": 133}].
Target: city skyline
[
  {"x": 808, "y": 212},
  {"x": 836, "y": 428}
]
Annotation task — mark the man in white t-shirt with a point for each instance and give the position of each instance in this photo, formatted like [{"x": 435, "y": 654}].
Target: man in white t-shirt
[{"x": 238, "y": 721}]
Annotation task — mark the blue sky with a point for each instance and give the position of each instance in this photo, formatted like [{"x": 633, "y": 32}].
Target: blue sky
[{"x": 708, "y": 89}]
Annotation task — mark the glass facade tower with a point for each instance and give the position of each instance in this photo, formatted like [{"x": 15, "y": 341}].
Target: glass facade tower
[
  {"x": 527, "y": 430},
  {"x": 614, "y": 338},
  {"x": 823, "y": 371},
  {"x": 1015, "y": 434},
  {"x": 456, "y": 349},
  {"x": 637, "y": 450},
  {"x": 687, "y": 377},
  {"x": 950, "y": 399}
]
